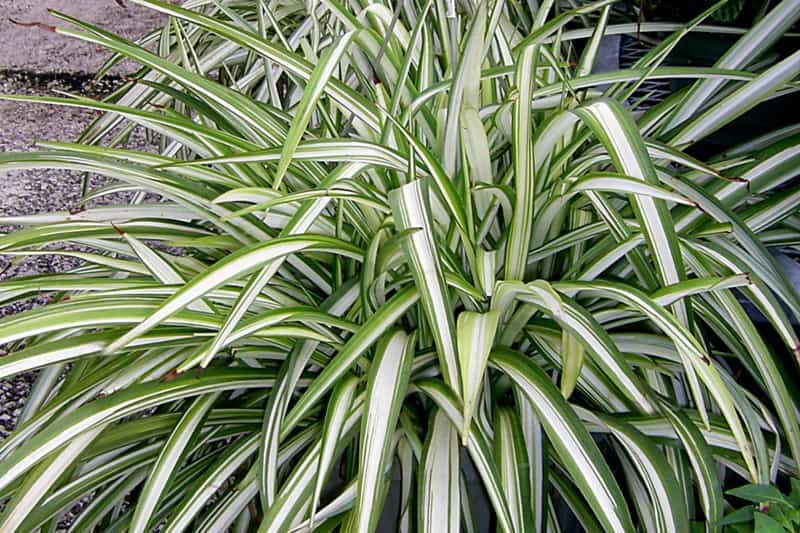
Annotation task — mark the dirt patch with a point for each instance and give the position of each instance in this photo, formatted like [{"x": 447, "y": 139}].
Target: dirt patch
[{"x": 32, "y": 48}]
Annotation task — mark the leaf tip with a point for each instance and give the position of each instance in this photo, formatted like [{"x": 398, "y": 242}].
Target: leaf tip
[
  {"x": 118, "y": 230},
  {"x": 172, "y": 375},
  {"x": 39, "y": 25}
]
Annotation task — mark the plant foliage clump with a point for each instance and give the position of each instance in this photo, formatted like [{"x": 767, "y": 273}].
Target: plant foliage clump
[{"x": 408, "y": 240}]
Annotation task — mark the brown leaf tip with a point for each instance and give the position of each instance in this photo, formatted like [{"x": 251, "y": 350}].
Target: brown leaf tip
[
  {"x": 117, "y": 229},
  {"x": 40, "y": 25},
  {"x": 172, "y": 375}
]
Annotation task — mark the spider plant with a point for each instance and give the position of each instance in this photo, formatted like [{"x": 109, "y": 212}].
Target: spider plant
[{"x": 409, "y": 241}]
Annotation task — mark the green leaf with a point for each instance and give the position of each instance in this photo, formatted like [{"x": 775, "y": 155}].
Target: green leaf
[
  {"x": 338, "y": 408},
  {"x": 541, "y": 295},
  {"x": 511, "y": 459},
  {"x": 386, "y": 389},
  {"x": 410, "y": 207},
  {"x": 368, "y": 334},
  {"x": 767, "y": 524},
  {"x": 519, "y": 235},
  {"x": 226, "y": 465},
  {"x": 439, "y": 494},
  {"x": 162, "y": 270},
  {"x": 691, "y": 351},
  {"x": 277, "y": 405},
  {"x": 668, "y": 503},
  {"x": 317, "y": 170},
  {"x": 478, "y": 447},
  {"x": 475, "y": 333},
  {"x": 739, "y": 516},
  {"x": 759, "y": 493},
  {"x": 232, "y": 267},
  {"x": 740, "y": 101},
  {"x": 570, "y": 439},
  {"x": 41, "y": 479},
  {"x": 702, "y": 461},
  {"x": 124, "y": 403},
  {"x": 170, "y": 458},
  {"x": 745, "y": 50},
  {"x": 463, "y": 93},
  {"x": 572, "y": 357},
  {"x": 315, "y": 87}
]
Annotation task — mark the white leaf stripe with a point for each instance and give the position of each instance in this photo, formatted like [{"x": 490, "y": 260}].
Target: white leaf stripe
[
  {"x": 699, "y": 453},
  {"x": 232, "y": 93},
  {"x": 569, "y": 437},
  {"x": 368, "y": 334},
  {"x": 622, "y": 139},
  {"x": 296, "y": 490},
  {"x": 197, "y": 497},
  {"x": 475, "y": 333},
  {"x": 617, "y": 131},
  {"x": 349, "y": 99},
  {"x": 540, "y": 295},
  {"x": 740, "y": 101},
  {"x": 663, "y": 489},
  {"x": 233, "y": 266},
  {"x": 162, "y": 270},
  {"x": 756, "y": 40},
  {"x": 524, "y": 181},
  {"x": 338, "y": 409},
  {"x": 410, "y": 209},
  {"x": 168, "y": 461},
  {"x": 464, "y": 89},
  {"x": 301, "y": 222},
  {"x": 689, "y": 348},
  {"x": 287, "y": 380},
  {"x": 513, "y": 467},
  {"x": 478, "y": 447},
  {"x": 230, "y": 508},
  {"x": 121, "y": 404},
  {"x": 314, "y": 89},
  {"x": 439, "y": 501},
  {"x": 37, "y": 484},
  {"x": 329, "y": 150},
  {"x": 386, "y": 390}
]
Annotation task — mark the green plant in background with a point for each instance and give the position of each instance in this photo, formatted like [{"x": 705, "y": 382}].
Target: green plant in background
[
  {"x": 391, "y": 239},
  {"x": 770, "y": 511}
]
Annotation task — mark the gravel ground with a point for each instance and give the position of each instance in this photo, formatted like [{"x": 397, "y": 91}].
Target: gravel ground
[
  {"x": 36, "y": 191},
  {"x": 38, "y": 62},
  {"x": 39, "y": 191}
]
